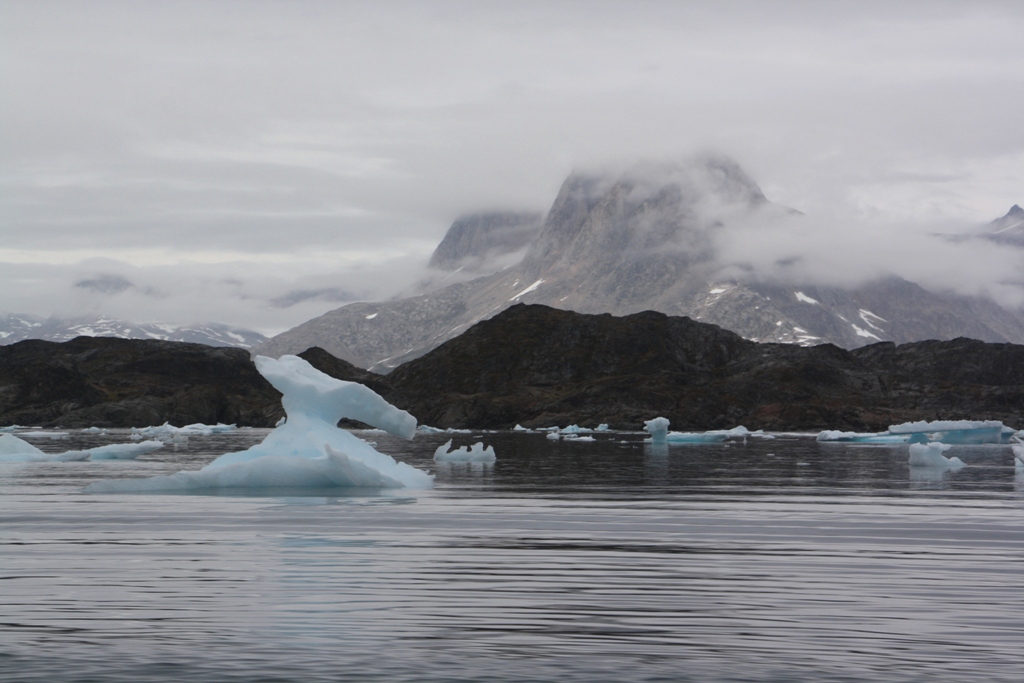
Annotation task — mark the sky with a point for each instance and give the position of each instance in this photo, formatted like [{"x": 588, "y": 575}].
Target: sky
[{"x": 259, "y": 163}]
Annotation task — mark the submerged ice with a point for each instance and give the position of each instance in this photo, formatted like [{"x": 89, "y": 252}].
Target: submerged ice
[{"x": 308, "y": 450}]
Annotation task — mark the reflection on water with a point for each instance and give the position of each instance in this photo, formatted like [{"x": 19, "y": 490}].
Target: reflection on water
[{"x": 770, "y": 560}]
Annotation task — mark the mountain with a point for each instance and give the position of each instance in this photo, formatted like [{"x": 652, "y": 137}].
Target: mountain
[
  {"x": 15, "y": 328},
  {"x": 647, "y": 240},
  {"x": 540, "y": 366},
  {"x": 1008, "y": 229},
  {"x": 477, "y": 240},
  {"x": 537, "y": 366}
]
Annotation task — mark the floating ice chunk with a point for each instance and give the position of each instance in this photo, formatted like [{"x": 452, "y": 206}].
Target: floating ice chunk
[
  {"x": 10, "y": 428},
  {"x": 603, "y": 427},
  {"x": 554, "y": 436},
  {"x": 520, "y": 428},
  {"x": 476, "y": 453},
  {"x": 45, "y": 435},
  {"x": 13, "y": 449},
  {"x": 930, "y": 455},
  {"x": 859, "y": 437},
  {"x": 657, "y": 428},
  {"x": 124, "y": 451},
  {"x": 436, "y": 430},
  {"x": 94, "y": 430},
  {"x": 576, "y": 429},
  {"x": 308, "y": 450},
  {"x": 332, "y": 470},
  {"x": 168, "y": 432},
  {"x": 1008, "y": 435},
  {"x": 580, "y": 438},
  {"x": 952, "y": 431}
]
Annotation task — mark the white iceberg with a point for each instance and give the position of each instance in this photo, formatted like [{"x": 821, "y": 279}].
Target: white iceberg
[
  {"x": 951, "y": 431},
  {"x": 575, "y": 429},
  {"x": 308, "y": 450},
  {"x": 861, "y": 437},
  {"x": 603, "y": 427},
  {"x": 124, "y": 451},
  {"x": 13, "y": 449},
  {"x": 930, "y": 455},
  {"x": 554, "y": 436},
  {"x": 476, "y": 453},
  {"x": 658, "y": 429},
  {"x": 168, "y": 432}
]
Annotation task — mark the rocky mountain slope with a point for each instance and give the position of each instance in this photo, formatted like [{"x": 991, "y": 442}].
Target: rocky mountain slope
[
  {"x": 1008, "y": 229},
  {"x": 17, "y": 327},
  {"x": 111, "y": 382},
  {"x": 475, "y": 241},
  {"x": 648, "y": 240},
  {"x": 541, "y": 366},
  {"x": 538, "y": 366}
]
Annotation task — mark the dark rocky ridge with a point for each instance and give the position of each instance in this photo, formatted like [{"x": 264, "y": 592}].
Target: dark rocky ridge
[
  {"x": 109, "y": 382},
  {"x": 539, "y": 366}
]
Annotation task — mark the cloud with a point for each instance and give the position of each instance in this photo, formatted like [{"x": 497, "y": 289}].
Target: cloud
[
  {"x": 106, "y": 284},
  {"x": 167, "y": 135},
  {"x": 329, "y": 294}
]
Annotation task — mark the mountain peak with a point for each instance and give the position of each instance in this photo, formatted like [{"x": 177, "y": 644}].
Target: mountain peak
[{"x": 1015, "y": 211}]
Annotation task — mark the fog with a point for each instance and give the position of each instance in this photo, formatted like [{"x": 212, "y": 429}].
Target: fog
[{"x": 259, "y": 163}]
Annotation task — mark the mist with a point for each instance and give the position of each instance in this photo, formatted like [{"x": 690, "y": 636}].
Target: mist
[{"x": 260, "y": 163}]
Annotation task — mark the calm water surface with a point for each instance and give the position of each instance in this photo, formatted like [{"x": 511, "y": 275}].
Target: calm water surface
[{"x": 774, "y": 560}]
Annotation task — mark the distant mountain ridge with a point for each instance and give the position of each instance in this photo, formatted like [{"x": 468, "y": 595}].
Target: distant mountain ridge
[
  {"x": 15, "y": 328},
  {"x": 646, "y": 240},
  {"x": 1008, "y": 229}
]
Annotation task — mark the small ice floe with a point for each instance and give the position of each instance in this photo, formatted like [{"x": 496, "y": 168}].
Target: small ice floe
[
  {"x": 575, "y": 438},
  {"x": 554, "y": 436},
  {"x": 658, "y": 429},
  {"x": 1018, "y": 457},
  {"x": 476, "y": 453},
  {"x": 930, "y": 455},
  {"x": 603, "y": 427},
  {"x": 435, "y": 430},
  {"x": 861, "y": 437},
  {"x": 308, "y": 451},
  {"x": 575, "y": 429},
  {"x": 520, "y": 428},
  {"x": 94, "y": 430},
  {"x": 13, "y": 449},
  {"x": 961, "y": 432},
  {"x": 55, "y": 436},
  {"x": 168, "y": 433}
]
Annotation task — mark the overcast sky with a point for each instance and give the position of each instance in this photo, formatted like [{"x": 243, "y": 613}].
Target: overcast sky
[{"x": 259, "y": 163}]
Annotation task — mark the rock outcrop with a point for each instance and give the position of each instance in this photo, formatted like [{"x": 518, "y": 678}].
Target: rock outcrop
[
  {"x": 540, "y": 366},
  {"x": 107, "y": 382}
]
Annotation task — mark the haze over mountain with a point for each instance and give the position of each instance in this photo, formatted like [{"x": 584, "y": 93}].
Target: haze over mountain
[
  {"x": 18, "y": 327},
  {"x": 698, "y": 239}
]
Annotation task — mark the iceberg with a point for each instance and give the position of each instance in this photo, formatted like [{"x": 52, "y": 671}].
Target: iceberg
[
  {"x": 476, "y": 453},
  {"x": 308, "y": 450},
  {"x": 13, "y": 449},
  {"x": 930, "y": 455},
  {"x": 860, "y": 437},
  {"x": 168, "y": 432},
  {"x": 575, "y": 429},
  {"x": 658, "y": 429},
  {"x": 952, "y": 431}
]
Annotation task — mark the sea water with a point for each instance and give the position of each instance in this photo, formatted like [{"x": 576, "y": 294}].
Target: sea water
[{"x": 770, "y": 560}]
